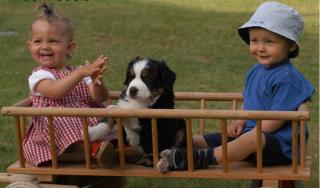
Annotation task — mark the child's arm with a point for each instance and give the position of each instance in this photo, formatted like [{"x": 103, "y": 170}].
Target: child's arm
[
  {"x": 56, "y": 89},
  {"x": 97, "y": 89},
  {"x": 270, "y": 126},
  {"x": 24, "y": 102},
  {"x": 236, "y": 128}
]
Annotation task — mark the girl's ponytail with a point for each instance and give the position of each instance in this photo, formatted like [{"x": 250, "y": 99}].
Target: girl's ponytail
[{"x": 47, "y": 10}]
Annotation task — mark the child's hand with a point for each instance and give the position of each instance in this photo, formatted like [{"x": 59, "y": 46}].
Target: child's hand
[
  {"x": 95, "y": 69},
  {"x": 236, "y": 128},
  {"x": 98, "y": 91},
  {"x": 97, "y": 76}
]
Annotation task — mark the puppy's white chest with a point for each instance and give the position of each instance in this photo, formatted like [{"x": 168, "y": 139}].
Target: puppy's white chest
[{"x": 132, "y": 123}]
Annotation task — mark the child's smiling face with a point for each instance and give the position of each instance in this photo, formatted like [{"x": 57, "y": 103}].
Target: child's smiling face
[
  {"x": 269, "y": 48},
  {"x": 49, "y": 44}
]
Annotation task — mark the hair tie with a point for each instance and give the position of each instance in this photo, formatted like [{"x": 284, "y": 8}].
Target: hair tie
[{"x": 47, "y": 10}]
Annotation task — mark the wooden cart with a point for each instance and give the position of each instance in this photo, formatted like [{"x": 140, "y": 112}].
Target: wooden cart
[{"x": 281, "y": 176}]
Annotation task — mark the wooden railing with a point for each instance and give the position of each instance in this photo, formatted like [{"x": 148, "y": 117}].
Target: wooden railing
[{"x": 201, "y": 114}]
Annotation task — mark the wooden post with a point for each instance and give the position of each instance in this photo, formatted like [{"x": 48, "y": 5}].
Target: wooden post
[
  {"x": 23, "y": 126},
  {"x": 302, "y": 144},
  {"x": 19, "y": 141},
  {"x": 294, "y": 146},
  {"x": 234, "y": 104},
  {"x": 303, "y": 107},
  {"x": 155, "y": 142},
  {"x": 259, "y": 146},
  {"x": 189, "y": 145},
  {"x": 202, "y": 121},
  {"x": 121, "y": 144},
  {"x": 224, "y": 145},
  {"x": 86, "y": 142},
  {"x": 53, "y": 147}
]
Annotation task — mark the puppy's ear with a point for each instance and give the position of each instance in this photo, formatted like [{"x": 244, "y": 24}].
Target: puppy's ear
[
  {"x": 167, "y": 75},
  {"x": 129, "y": 70},
  {"x": 126, "y": 81}
]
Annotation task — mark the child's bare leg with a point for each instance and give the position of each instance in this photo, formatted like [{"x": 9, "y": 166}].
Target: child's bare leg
[{"x": 241, "y": 147}]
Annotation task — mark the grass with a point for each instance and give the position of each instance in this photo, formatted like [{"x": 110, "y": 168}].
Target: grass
[{"x": 197, "y": 39}]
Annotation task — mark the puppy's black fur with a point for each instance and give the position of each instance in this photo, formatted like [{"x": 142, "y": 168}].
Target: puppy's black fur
[{"x": 159, "y": 80}]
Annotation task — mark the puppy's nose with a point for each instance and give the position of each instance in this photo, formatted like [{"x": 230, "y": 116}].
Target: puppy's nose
[{"x": 133, "y": 91}]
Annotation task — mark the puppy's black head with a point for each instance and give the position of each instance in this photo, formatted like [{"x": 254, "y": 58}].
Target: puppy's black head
[{"x": 147, "y": 78}]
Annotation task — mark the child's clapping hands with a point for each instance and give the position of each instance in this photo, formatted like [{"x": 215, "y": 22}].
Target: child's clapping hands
[{"x": 95, "y": 70}]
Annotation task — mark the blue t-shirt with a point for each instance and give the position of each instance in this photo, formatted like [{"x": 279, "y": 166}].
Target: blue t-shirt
[{"x": 278, "y": 88}]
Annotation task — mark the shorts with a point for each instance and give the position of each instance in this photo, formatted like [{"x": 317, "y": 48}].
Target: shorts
[{"x": 271, "y": 153}]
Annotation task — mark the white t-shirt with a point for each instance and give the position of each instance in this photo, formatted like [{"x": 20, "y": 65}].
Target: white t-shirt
[{"x": 39, "y": 75}]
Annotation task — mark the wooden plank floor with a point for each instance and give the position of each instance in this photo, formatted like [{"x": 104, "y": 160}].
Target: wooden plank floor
[{"x": 240, "y": 170}]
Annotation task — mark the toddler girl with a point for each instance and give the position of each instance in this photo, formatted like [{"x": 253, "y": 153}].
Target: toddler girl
[{"x": 55, "y": 84}]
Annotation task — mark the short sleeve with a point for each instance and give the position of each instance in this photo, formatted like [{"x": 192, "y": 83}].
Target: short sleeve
[
  {"x": 36, "y": 77},
  {"x": 87, "y": 80},
  {"x": 289, "y": 95}
]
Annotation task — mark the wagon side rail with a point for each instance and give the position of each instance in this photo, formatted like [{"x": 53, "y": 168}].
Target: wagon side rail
[
  {"x": 202, "y": 97},
  {"x": 297, "y": 171}
]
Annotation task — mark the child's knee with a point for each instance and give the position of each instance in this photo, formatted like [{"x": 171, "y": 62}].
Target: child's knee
[{"x": 251, "y": 140}]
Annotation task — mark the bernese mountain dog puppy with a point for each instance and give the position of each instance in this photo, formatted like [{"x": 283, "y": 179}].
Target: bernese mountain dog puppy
[{"x": 148, "y": 84}]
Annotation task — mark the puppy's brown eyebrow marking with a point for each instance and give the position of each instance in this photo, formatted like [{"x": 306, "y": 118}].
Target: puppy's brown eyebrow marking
[{"x": 144, "y": 72}]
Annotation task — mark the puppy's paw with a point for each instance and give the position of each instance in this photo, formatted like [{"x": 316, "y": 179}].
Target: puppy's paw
[{"x": 99, "y": 131}]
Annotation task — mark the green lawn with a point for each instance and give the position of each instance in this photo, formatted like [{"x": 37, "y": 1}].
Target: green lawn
[{"x": 197, "y": 39}]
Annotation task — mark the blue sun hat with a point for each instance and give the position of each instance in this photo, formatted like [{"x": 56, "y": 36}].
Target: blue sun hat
[{"x": 277, "y": 18}]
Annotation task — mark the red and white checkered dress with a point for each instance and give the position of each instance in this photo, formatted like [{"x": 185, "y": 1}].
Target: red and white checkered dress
[{"x": 36, "y": 144}]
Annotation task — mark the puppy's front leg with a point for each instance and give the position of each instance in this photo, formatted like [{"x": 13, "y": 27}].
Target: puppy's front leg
[{"x": 101, "y": 130}]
